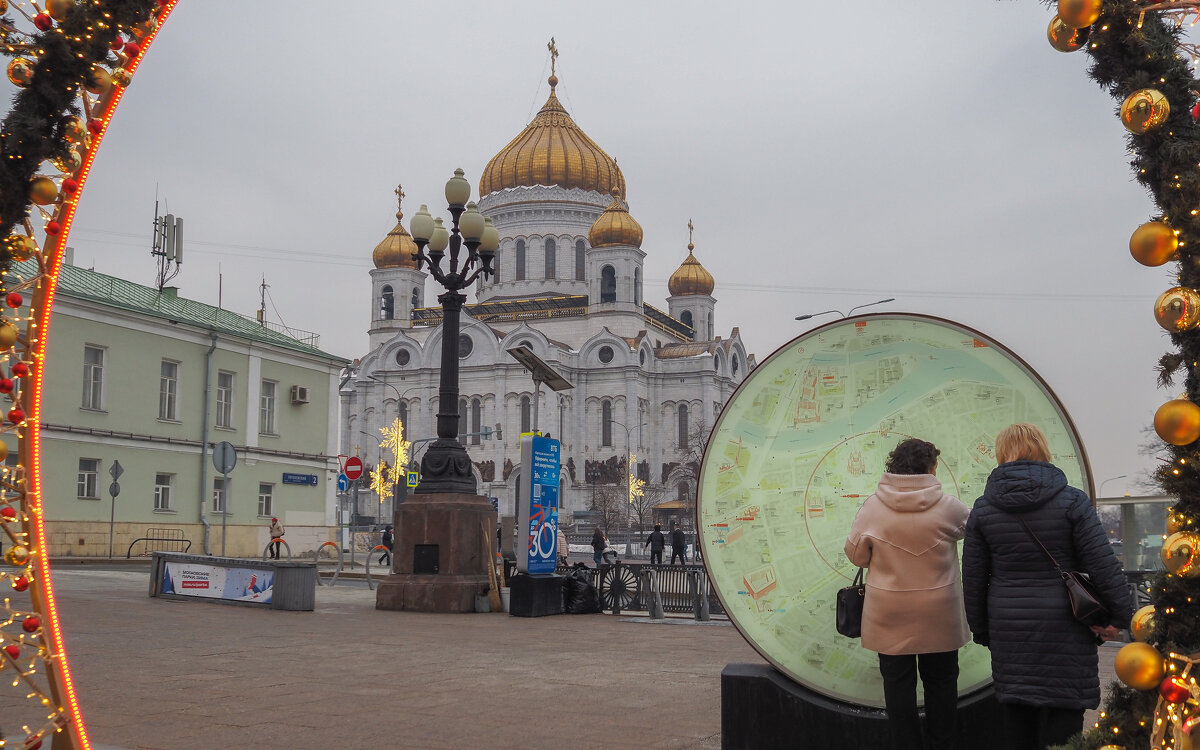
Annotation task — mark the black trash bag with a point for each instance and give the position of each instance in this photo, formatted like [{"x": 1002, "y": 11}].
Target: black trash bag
[{"x": 579, "y": 595}]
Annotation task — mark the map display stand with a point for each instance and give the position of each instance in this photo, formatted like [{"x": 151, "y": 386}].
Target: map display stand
[{"x": 797, "y": 450}]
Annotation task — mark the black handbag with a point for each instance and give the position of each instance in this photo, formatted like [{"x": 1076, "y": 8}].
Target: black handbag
[
  {"x": 1085, "y": 602},
  {"x": 850, "y": 607}
]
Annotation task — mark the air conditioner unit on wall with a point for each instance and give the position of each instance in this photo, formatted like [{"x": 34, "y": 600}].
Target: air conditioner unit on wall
[{"x": 299, "y": 394}]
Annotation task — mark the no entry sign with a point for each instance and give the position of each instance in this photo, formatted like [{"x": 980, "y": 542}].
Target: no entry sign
[{"x": 353, "y": 468}]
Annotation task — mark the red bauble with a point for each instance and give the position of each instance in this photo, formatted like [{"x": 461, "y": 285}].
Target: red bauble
[
  {"x": 43, "y": 21},
  {"x": 53, "y": 228},
  {"x": 14, "y": 299},
  {"x": 1196, "y": 111},
  {"x": 31, "y": 623},
  {"x": 33, "y": 743},
  {"x": 20, "y": 369},
  {"x": 1174, "y": 689},
  {"x": 20, "y": 583},
  {"x": 133, "y": 49},
  {"x": 6, "y": 385},
  {"x": 94, "y": 126},
  {"x": 70, "y": 185},
  {"x": 13, "y": 650},
  {"x": 116, "y": 44},
  {"x": 15, "y": 415},
  {"x": 8, "y": 513}
]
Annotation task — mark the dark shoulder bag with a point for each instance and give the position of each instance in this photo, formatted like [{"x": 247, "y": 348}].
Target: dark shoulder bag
[
  {"x": 1085, "y": 603},
  {"x": 850, "y": 607}
]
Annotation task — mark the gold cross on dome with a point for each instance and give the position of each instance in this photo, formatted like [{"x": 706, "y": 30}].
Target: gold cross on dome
[
  {"x": 690, "y": 228},
  {"x": 553, "y": 54},
  {"x": 399, "y": 195}
]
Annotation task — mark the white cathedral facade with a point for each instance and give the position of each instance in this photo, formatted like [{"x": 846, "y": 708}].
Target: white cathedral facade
[{"x": 569, "y": 287}]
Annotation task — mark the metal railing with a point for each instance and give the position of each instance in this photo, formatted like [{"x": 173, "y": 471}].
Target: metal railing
[
  {"x": 161, "y": 540},
  {"x": 639, "y": 587}
]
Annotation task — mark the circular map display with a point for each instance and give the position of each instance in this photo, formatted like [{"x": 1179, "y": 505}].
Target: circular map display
[{"x": 802, "y": 444}]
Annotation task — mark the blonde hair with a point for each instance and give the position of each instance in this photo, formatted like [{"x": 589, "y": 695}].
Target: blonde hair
[{"x": 1022, "y": 442}]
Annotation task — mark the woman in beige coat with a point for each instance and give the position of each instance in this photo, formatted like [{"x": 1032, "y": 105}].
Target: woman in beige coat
[{"x": 906, "y": 535}]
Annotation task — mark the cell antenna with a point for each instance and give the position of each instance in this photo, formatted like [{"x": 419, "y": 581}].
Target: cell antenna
[{"x": 167, "y": 246}]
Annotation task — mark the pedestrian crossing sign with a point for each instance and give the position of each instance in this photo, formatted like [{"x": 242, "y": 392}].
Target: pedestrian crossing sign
[{"x": 413, "y": 478}]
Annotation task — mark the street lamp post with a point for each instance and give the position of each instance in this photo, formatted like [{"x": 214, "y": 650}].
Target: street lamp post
[
  {"x": 629, "y": 469},
  {"x": 845, "y": 315},
  {"x": 446, "y": 467},
  {"x": 1100, "y": 492}
]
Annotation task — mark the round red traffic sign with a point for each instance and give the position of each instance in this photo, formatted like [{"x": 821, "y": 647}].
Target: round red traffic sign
[{"x": 353, "y": 468}]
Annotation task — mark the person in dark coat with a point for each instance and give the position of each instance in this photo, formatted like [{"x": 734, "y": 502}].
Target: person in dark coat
[
  {"x": 389, "y": 541},
  {"x": 1044, "y": 661},
  {"x": 599, "y": 542},
  {"x": 657, "y": 541},
  {"x": 678, "y": 545}
]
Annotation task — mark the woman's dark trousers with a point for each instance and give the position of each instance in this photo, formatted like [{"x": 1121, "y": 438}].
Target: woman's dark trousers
[{"x": 939, "y": 675}]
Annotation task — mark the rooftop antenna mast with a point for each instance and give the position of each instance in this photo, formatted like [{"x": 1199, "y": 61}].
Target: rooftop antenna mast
[
  {"x": 262, "y": 304},
  {"x": 167, "y": 247}
]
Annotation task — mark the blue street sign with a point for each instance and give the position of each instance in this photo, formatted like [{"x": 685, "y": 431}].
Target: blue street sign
[
  {"x": 309, "y": 479},
  {"x": 343, "y": 483}
]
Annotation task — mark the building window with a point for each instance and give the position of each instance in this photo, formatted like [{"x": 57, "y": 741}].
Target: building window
[
  {"x": 265, "y": 505},
  {"x": 168, "y": 391},
  {"x": 685, "y": 317},
  {"x": 402, "y": 412},
  {"x": 476, "y": 414},
  {"x": 525, "y": 409},
  {"x": 93, "y": 377},
  {"x": 637, "y": 286},
  {"x": 551, "y": 250},
  {"x": 608, "y": 284},
  {"x": 580, "y": 259},
  {"x": 606, "y": 423},
  {"x": 220, "y": 493},
  {"x": 416, "y": 297},
  {"x": 162, "y": 491},
  {"x": 605, "y": 354},
  {"x": 387, "y": 304},
  {"x": 225, "y": 399},
  {"x": 683, "y": 427},
  {"x": 266, "y": 408},
  {"x": 403, "y": 357},
  {"x": 89, "y": 471},
  {"x": 465, "y": 346},
  {"x": 462, "y": 421},
  {"x": 735, "y": 365},
  {"x": 520, "y": 260}
]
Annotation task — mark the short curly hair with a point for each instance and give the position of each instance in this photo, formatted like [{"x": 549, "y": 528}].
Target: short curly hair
[{"x": 913, "y": 456}]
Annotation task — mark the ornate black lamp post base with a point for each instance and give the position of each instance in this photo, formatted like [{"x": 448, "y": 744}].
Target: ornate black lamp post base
[{"x": 446, "y": 467}]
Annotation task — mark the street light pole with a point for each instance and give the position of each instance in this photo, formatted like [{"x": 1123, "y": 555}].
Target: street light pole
[
  {"x": 842, "y": 314},
  {"x": 629, "y": 470},
  {"x": 446, "y": 467},
  {"x": 1100, "y": 492}
]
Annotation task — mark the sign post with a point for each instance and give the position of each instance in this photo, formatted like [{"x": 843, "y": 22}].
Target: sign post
[
  {"x": 224, "y": 459},
  {"x": 114, "y": 489}
]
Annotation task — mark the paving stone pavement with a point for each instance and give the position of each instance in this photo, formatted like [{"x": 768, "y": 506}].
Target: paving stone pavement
[{"x": 157, "y": 674}]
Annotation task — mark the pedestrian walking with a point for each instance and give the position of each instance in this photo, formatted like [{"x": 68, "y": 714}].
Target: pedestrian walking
[
  {"x": 678, "y": 545},
  {"x": 389, "y": 541},
  {"x": 1044, "y": 661},
  {"x": 564, "y": 549},
  {"x": 599, "y": 542},
  {"x": 276, "y": 532},
  {"x": 657, "y": 542},
  {"x": 906, "y": 535}
]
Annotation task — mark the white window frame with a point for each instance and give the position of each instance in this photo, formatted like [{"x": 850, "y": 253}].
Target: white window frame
[
  {"x": 224, "y": 416},
  {"x": 267, "y": 398},
  {"x": 164, "y": 492},
  {"x": 88, "y": 479},
  {"x": 93, "y": 378},
  {"x": 266, "y": 500},
  {"x": 220, "y": 495},
  {"x": 168, "y": 391}
]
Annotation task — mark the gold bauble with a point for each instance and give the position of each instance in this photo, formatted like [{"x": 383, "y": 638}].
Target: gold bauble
[
  {"x": 57, "y": 9},
  {"x": 69, "y": 163},
  {"x": 1177, "y": 309},
  {"x": 1153, "y": 243},
  {"x": 9, "y": 334},
  {"x": 3, "y": 6},
  {"x": 1144, "y": 110},
  {"x": 1066, "y": 38},
  {"x": 20, "y": 71},
  {"x": 98, "y": 80},
  {"x": 1178, "y": 422},
  {"x": 43, "y": 191},
  {"x": 1140, "y": 666},
  {"x": 1112, "y": 747},
  {"x": 3, "y": 450},
  {"x": 1079, "y": 13},
  {"x": 121, "y": 77},
  {"x": 20, "y": 246},
  {"x": 75, "y": 130},
  {"x": 17, "y": 555},
  {"x": 1142, "y": 623},
  {"x": 1180, "y": 552}
]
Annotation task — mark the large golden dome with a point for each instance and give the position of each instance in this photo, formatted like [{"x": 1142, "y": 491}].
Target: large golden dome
[
  {"x": 552, "y": 150},
  {"x": 615, "y": 226},
  {"x": 396, "y": 250},
  {"x": 691, "y": 277}
]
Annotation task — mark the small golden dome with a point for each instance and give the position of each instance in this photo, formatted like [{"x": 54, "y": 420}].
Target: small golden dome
[
  {"x": 690, "y": 277},
  {"x": 615, "y": 226},
  {"x": 396, "y": 250},
  {"x": 552, "y": 150}
]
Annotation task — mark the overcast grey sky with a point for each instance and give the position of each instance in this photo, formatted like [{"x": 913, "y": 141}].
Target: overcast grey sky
[{"x": 829, "y": 155}]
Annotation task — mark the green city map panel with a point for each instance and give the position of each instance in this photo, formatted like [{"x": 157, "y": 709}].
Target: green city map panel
[{"x": 802, "y": 444}]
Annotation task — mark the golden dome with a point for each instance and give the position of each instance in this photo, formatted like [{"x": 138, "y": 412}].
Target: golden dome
[
  {"x": 690, "y": 277},
  {"x": 552, "y": 150},
  {"x": 396, "y": 250},
  {"x": 615, "y": 227}
]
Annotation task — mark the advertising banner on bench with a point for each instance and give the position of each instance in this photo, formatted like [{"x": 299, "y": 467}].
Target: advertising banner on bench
[{"x": 213, "y": 582}]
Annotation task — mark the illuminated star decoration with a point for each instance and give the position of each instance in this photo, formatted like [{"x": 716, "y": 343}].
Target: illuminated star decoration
[
  {"x": 384, "y": 478},
  {"x": 635, "y": 484}
]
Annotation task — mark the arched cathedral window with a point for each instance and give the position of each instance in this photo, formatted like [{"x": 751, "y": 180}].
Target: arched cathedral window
[
  {"x": 580, "y": 259},
  {"x": 683, "y": 427},
  {"x": 608, "y": 284},
  {"x": 685, "y": 317},
  {"x": 551, "y": 250},
  {"x": 387, "y": 305},
  {"x": 606, "y": 423},
  {"x": 525, "y": 421},
  {"x": 520, "y": 260}
]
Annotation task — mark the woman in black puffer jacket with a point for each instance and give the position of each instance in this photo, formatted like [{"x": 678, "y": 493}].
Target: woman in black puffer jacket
[{"x": 1044, "y": 661}]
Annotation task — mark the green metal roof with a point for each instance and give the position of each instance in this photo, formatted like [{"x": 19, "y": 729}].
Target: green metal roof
[{"x": 125, "y": 295}]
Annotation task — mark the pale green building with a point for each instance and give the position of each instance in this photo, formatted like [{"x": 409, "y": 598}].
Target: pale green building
[{"x": 153, "y": 381}]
